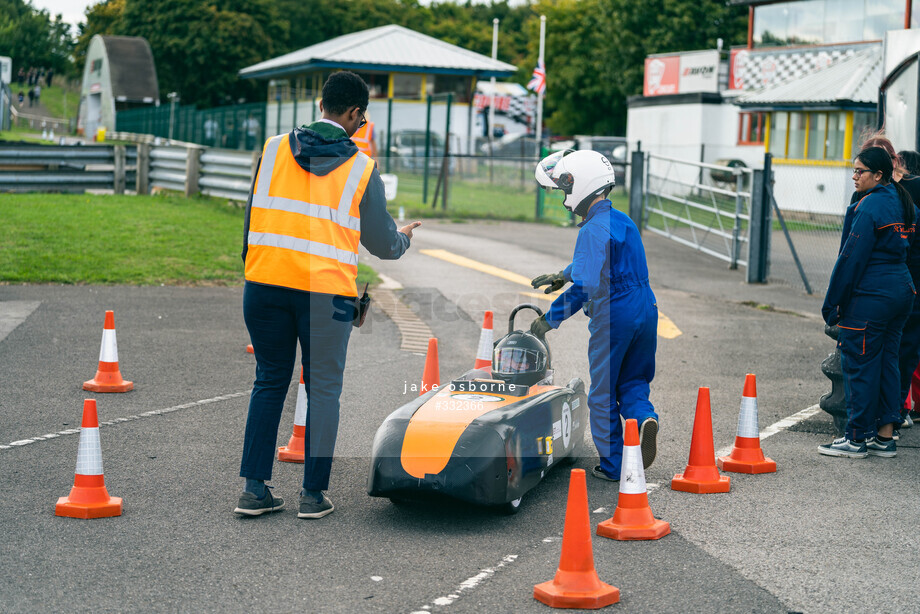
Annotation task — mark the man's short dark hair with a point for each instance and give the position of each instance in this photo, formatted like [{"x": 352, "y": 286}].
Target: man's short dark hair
[{"x": 344, "y": 90}]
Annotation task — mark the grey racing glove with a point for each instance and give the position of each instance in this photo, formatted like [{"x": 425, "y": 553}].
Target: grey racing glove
[
  {"x": 540, "y": 327},
  {"x": 554, "y": 280}
]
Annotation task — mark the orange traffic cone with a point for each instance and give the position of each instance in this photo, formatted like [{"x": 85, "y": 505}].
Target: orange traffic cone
[
  {"x": 250, "y": 349},
  {"x": 431, "y": 377},
  {"x": 108, "y": 377},
  {"x": 633, "y": 517},
  {"x": 484, "y": 353},
  {"x": 701, "y": 475},
  {"x": 746, "y": 456},
  {"x": 576, "y": 584},
  {"x": 293, "y": 452},
  {"x": 88, "y": 498}
]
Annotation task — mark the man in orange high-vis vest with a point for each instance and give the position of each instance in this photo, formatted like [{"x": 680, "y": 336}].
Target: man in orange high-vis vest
[
  {"x": 364, "y": 139},
  {"x": 314, "y": 198}
]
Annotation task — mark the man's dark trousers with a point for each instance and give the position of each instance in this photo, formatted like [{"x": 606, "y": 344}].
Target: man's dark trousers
[{"x": 276, "y": 319}]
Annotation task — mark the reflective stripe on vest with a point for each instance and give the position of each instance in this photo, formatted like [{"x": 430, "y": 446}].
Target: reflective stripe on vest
[
  {"x": 362, "y": 138},
  {"x": 297, "y": 241}
]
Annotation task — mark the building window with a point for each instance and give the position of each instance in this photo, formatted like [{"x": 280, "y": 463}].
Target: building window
[
  {"x": 816, "y": 22},
  {"x": 836, "y": 133},
  {"x": 795, "y": 147},
  {"x": 407, "y": 86},
  {"x": 377, "y": 83},
  {"x": 819, "y": 136},
  {"x": 751, "y": 127},
  {"x": 779, "y": 130},
  {"x": 458, "y": 85}
]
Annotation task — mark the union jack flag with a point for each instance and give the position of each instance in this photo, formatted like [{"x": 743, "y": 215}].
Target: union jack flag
[{"x": 538, "y": 81}]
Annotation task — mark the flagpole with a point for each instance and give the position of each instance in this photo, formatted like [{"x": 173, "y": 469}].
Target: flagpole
[
  {"x": 492, "y": 81},
  {"x": 540, "y": 94}
]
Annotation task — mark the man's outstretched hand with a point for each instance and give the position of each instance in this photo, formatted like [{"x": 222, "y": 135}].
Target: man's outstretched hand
[{"x": 408, "y": 228}]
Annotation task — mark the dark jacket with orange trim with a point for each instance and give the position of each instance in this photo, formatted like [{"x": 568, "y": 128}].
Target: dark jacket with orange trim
[
  {"x": 873, "y": 256},
  {"x": 322, "y": 147},
  {"x": 912, "y": 184}
]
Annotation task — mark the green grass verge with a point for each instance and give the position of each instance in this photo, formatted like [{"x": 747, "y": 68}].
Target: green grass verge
[
  {"x": 140, "y": 240},
  {"x": 21, "y": 134}
]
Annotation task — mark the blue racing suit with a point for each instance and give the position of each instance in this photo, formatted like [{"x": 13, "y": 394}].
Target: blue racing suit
[
  {"x": 869, "y": 296},
  {"x": 609, "y": 278}
]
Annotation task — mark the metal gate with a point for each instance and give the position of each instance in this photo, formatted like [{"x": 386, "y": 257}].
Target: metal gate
[{"x": 703, "y": 206}]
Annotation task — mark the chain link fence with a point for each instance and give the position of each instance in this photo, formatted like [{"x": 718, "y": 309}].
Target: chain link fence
[{"x": 812, "y": 201}]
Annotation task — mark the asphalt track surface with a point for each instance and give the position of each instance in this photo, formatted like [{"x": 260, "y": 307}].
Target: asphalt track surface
[{"x": 820, "y": 534}]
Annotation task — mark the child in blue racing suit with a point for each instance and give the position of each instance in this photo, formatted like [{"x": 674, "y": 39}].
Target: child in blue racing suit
[{"x": 609, "y": 277}]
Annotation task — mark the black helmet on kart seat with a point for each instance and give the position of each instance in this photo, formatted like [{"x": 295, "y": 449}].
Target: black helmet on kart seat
[{"x": 520, "y": 358}]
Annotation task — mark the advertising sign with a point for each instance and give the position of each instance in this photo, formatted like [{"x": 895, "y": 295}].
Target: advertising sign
[
  {"x": 736, "y": 67},
  {"x": 661, "y": 75},
  {"x": 697, "y": 71}
]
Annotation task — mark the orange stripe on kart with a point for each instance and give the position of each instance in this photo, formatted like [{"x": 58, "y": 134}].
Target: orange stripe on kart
[{"x": 436, "y": 427}]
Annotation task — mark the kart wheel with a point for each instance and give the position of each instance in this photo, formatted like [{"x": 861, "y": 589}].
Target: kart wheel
[
  {"x": 511, "y": 507},
  {"x": 573, "y": 458}
]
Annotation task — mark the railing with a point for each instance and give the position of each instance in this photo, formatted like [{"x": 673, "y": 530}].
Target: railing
[
  {"x": 28, "y": 167},
  {"x": 703, "y": 206},
  {"x": 141, "y": 167}
]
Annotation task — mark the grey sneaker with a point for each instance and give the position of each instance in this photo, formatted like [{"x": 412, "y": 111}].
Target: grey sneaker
[
  {"x": 896, "y": 434},
  {"x": 886, "y": 449},
  {"x": 908, "y": 422},
  {"x": 310, "y": 508},
  {"x": 250, "y": 505},
  {"x": 844, "y": 447},
  {"x": 648, "y": 435},
  {"x": 599, "y": 473}
]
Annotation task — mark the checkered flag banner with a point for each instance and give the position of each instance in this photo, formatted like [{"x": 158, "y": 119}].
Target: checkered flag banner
[{"x": 538, "y": 81}]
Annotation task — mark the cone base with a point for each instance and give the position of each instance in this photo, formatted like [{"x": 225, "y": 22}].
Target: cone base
[
  {"x": 727, "y": 463},
  {"x": 289, "y": 455},
  {"x": 557, "y": 597},
  {"x": 656, "y": 530},
  {"x": 94, "y": 385},
  {"x": 723, "y": 484},
  {"x": 104, "y": 509}
]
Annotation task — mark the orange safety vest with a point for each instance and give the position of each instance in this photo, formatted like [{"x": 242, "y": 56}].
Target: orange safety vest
[
  {"x": 304, "y": 229},
  {"x": 363, "y": 137}
]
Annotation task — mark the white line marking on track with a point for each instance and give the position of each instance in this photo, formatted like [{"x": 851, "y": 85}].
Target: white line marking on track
[
  {"x": 777, "y": 427},
  {"x": 146, "y": 414},
  {"x": 471, "y": 583}
]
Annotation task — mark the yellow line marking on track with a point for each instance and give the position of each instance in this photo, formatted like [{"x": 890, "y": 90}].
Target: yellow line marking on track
[{"x": 666, "y": 327}]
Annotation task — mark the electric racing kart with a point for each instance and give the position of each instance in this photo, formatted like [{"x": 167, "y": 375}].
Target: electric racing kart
[{"x": 486, "y": 438}]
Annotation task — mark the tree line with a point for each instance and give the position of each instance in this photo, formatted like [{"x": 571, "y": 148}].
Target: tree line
[{"x": 595, "y": 49}]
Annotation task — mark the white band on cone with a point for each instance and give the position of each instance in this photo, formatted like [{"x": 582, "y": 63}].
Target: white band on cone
[
  {"x": 485, "y": 345},
  {"x": 109, "y": 350},
  {"x": 632, "y": 475},
  {"x": 89, "y": 452},
  {"x": 747, "y": 419},
  {"x": 300, "y": 410}
]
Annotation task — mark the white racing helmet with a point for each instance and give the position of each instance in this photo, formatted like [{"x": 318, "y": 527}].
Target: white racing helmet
[{"x": 581, "y": 175}]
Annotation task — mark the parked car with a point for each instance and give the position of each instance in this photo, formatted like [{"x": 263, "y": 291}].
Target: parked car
[
  {"x": 407, "y": 147},
  {"x": 517, "y": 145}
]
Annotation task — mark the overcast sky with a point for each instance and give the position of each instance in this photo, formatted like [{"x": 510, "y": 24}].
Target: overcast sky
[{"x": 71, "y": 10}]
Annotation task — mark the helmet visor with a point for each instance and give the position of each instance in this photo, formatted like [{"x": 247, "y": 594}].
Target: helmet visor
[{"x": 511, "y": 361}]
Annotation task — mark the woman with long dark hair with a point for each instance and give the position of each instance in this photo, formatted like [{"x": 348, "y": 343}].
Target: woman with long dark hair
[{"x": 869, "y": 297}]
